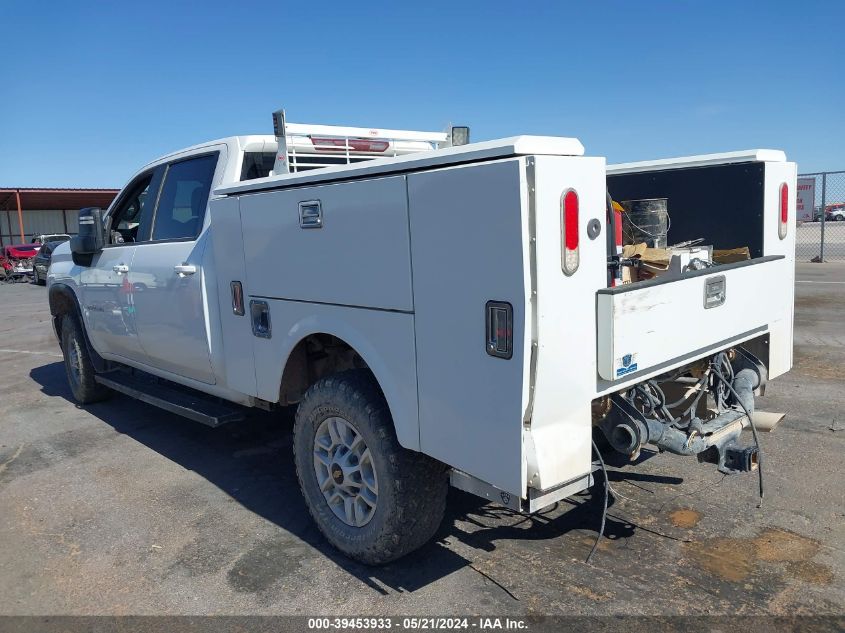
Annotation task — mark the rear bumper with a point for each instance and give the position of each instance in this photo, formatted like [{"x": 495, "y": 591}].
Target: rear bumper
[{"x": 534, "y": 499}]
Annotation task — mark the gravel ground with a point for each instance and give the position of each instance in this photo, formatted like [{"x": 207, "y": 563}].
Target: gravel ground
[{"x": 119, "y": 508}]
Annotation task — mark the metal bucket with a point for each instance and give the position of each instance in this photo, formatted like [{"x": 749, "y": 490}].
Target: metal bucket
[{"x": 646, "y": 221}]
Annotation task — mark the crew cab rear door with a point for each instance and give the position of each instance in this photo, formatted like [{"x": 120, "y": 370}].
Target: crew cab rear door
[{"x": 171, "y": 313}]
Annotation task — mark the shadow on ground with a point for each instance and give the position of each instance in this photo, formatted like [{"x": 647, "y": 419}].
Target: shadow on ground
[{"x": 251, "y": 462}]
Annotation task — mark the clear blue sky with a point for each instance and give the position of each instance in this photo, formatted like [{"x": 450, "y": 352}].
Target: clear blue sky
[{"x": 92, "y": 90}]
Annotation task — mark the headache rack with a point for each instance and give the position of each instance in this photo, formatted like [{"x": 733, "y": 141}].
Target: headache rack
[{"x": 302, "y": 146}]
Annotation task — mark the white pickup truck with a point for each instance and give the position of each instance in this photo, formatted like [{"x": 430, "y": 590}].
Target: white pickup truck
[{"x": 439, "y": 313}]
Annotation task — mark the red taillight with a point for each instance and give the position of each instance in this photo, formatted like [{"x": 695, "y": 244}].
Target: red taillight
[
  {"x": 784, "y": 210},
  {"x": 355, "y": 144},
  {"x": 569, "y": 227},
  {"x": 570, "y": 220}
]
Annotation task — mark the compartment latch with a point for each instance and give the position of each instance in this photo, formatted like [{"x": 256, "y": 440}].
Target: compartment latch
[
  {"x": 714, "y": 292},
  {"x": 260, "y": 312}
]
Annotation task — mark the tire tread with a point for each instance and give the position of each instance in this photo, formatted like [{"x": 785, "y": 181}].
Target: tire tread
[{"x": 420, "y": 482}]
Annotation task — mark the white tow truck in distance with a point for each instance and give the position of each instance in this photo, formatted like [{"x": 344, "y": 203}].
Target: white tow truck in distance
[{"x": 439, "y": 313}]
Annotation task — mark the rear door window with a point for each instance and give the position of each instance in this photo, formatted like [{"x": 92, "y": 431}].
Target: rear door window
[
  {"x": 257, "y": 165},
  {"x": 184, "y": 197}
]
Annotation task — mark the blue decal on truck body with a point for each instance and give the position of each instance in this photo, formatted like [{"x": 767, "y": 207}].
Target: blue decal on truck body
[{"x": 626, "y": 370}]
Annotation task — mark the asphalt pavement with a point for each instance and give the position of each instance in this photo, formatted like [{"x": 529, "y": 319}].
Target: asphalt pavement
[{"x": 120, "y": 508}]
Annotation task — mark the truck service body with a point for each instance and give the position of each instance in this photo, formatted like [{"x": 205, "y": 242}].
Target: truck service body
[{"x": 468, "y": 284}]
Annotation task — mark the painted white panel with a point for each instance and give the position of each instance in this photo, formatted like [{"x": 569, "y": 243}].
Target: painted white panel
[
  {"x": 781, "y": 318},
  {"x": 559, "y": 441},
  {"x": 107, "y": 303},
  {"x": 468, "y": 229},
  {"x": 385, "y": 340},
  {"x": 359, "y": 257},
  {"x": 170, "y": 309},
  {"x": 227, "y": 248},
  {"x": 656, "y": 324}
]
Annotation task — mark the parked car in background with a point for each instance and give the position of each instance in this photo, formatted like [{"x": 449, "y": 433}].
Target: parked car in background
[
  {"x": 41, "y": 263},
  {"x": 20, "y": 257},
  {"x": 50, "y": 237},
  {"x": 835, "y": 212}
]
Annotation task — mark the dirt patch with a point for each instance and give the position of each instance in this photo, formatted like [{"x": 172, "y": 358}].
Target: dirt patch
[
  {"x": 685, "y": 518},
  {"x": 808, "y": 571},
  {"x": 735, "y": 559},
  {"x": 728, "y": 558},
  {"x": 778, "y": 546}
]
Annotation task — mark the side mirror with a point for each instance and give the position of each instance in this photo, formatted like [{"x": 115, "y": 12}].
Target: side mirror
[{"x": 91, "y": 237}]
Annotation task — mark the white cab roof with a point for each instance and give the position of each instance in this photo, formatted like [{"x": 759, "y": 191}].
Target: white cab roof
[
  {"x": 486, "y": 150},
  {"x": 743, "y": 156}
]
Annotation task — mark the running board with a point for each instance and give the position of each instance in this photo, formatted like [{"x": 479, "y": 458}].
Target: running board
[{"x": 188, "y": 404}]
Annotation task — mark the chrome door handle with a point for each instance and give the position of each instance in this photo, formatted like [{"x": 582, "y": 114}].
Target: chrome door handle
[
  {"x": 185, "y": 269},
  {"x": 120, "y": 269}
]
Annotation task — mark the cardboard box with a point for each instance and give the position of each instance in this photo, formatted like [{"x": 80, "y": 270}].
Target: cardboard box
[{"x": 731, "y": 255}]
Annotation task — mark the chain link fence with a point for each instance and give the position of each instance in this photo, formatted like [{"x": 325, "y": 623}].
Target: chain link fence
[{"x": 821, "y": 234}]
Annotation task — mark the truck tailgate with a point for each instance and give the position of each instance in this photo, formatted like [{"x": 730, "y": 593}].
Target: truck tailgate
[{"x": 650, "y": 324}]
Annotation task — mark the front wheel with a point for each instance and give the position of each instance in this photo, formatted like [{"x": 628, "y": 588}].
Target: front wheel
[
  {"x": 372, "y": 499},
  {"x": 78, "y": 367}
]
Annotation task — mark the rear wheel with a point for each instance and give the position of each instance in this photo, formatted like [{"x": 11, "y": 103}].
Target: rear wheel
[
  {"x": 80, "y": 372},
  {"x": 372, "y": 499}
]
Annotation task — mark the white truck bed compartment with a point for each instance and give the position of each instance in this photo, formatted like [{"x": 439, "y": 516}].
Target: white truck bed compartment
[{"x": 646, "y": 325}]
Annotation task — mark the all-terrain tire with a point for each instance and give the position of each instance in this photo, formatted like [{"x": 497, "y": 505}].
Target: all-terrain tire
[
  {"x": 412, "y": 487},
  {"x": 80, "y": 372}
]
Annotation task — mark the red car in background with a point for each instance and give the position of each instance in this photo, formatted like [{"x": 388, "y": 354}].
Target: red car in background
[{"x": 16, "y": 260}]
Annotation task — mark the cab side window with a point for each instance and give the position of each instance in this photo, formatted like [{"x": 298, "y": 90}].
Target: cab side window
[
  {"x": 126, "y": 219},
  {"x": 184, "y": 198}
]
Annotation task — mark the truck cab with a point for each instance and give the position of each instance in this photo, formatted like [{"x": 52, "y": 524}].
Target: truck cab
[{"x": 148, "y": 298}]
